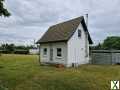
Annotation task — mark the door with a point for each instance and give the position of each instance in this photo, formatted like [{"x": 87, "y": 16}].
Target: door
[{"x": 51, "y": 54}]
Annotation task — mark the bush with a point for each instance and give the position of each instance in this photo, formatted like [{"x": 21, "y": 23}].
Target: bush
[
  {"x": 117, "y": 63},
  {"x": 4, "y": 52},
  {"x": 21, "y": 52}
]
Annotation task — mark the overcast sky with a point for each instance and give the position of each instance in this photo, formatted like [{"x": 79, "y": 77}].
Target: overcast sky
[{"x": 31, "y": 18}]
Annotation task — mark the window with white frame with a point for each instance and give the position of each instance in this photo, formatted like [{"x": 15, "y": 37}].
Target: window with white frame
[
  {"x": 59, "y": 52},
  {"x": 45, "y": 51}
]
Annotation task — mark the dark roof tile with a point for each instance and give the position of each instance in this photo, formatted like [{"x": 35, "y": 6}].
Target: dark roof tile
[{"x": 61, "y": 32}]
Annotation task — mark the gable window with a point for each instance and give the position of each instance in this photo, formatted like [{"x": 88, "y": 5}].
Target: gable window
[
  {"x": 45, "y": 51},
  {"x": 79, "y": 33},
  {"x": 59, "y": 52}
]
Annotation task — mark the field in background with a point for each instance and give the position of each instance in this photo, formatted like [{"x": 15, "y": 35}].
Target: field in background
[{"x": 23, "y": 72}]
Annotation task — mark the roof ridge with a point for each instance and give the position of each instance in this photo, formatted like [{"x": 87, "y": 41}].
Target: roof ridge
[{"x": 67, "y": 21}]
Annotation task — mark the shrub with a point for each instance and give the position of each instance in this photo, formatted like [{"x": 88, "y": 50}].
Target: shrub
[{"x": 21, "y": 52}]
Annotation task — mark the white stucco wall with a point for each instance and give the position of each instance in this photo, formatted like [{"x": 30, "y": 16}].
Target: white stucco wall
[
  {"x": 61, "y": 60},
  {"x": 76, "y": 48}
]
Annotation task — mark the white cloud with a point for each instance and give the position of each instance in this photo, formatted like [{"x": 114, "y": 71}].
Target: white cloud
[{"x": 31, "y": 18}]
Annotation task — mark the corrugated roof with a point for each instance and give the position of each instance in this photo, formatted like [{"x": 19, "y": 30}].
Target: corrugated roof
[{"x": 62, "y": 31}]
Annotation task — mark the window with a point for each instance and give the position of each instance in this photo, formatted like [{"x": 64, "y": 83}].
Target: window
[
  {"x": 45, "y": 51},
  {"x": 79, "y": 33},
  {"x": 59, "y": 52}
]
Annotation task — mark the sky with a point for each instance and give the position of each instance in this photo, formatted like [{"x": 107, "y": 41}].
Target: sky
[{"x": 30, "y": 19}]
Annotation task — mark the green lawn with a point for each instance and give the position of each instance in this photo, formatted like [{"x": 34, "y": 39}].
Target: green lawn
[{"x": 23, "y": 72}]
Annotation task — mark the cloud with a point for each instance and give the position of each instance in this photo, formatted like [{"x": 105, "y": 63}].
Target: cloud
[{"x": 31, "y": 18}]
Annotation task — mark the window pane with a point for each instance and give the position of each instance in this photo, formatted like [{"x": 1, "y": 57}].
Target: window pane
[
  {"x": 45, "y": 51},
  {"x": 59, "y": 52}
]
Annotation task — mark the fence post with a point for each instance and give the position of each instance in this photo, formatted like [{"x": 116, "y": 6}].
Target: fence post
[
  {"x": 111, "y": 57},
  {"x": 91, "y": 57}
]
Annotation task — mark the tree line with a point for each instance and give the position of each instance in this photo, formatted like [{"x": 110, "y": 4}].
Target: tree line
[
  {"x": 110, "y": 43},
  {"x": 17, "y": 49}
]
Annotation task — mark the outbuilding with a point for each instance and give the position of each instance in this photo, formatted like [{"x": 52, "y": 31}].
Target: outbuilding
[{"x": 66, "y": 43}]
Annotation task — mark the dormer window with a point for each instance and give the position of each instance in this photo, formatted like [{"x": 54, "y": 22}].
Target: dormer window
[{"x": 79, "y": 33}]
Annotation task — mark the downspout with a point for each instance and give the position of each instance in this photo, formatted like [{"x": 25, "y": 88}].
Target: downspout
[{"x": 39, "y": 54}]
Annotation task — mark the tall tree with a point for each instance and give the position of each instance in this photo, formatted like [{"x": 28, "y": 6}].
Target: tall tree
[
  {"x": 3, "y": 10},
  {"x": 112, "y": 43}
]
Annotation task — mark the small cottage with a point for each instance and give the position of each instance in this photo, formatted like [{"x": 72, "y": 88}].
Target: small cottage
[{"x": 66, "y": 43}]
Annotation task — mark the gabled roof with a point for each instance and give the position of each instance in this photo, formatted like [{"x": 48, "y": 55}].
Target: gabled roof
[{"x": 63, "y": 31}]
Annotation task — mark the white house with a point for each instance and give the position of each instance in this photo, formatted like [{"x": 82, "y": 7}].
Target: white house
[{"x": 66, "y": 43}]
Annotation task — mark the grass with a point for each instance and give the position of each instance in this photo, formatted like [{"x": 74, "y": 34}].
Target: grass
[{"x": 23, "y": 72}]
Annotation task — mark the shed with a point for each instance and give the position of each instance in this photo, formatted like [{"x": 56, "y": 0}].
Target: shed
[{"x": 66, "y": 43}]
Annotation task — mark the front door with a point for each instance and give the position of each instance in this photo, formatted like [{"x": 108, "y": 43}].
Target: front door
[{"x": 51, "y": 54}]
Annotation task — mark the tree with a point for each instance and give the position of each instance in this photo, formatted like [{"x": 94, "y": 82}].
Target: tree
[
  {"x": 109, "y": 43},
  {"x": 96, "y": 47},
  {"x": 8, "y": 47},
  {"x": 112, "y": 42},
  {"x": 3, "y": 10}
]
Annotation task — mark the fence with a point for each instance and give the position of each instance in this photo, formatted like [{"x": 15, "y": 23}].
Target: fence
[{"x": 105, "y": 57}]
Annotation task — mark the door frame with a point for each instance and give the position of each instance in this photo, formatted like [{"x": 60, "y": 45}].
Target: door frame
[{"x": 51, "y": 52}]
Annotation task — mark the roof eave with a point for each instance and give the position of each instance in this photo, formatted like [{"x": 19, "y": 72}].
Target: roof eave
[
  {"x": 86, "y": 29},
  {"x": 51, "y": 41}
]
